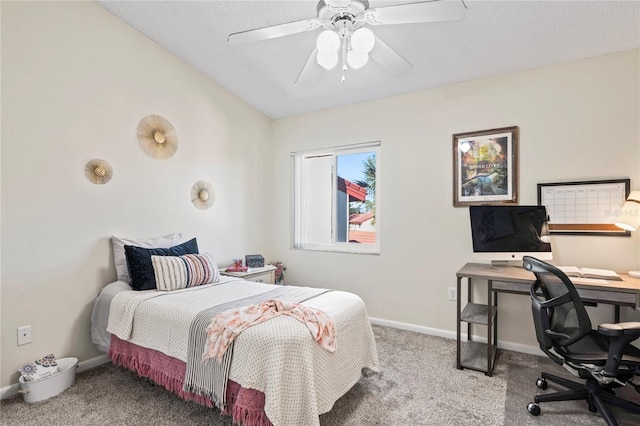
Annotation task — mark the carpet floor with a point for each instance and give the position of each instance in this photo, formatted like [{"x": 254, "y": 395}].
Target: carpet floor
[{"x": 418, "y": 385}]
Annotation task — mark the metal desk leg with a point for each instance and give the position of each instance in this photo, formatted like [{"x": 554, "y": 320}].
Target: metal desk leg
[
  {"x": 458, "y": 343},
  {"x": 489, "y": 329},
  {"x": 495, "y": 327},
  {"x": 469, "y": 300}
]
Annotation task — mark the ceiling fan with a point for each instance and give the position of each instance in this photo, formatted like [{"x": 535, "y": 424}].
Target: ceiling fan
[{"x": 346, "y": 39}]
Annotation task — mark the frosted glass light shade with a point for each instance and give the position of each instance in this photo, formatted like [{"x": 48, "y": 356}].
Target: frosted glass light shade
[
  {"x": 357, "y": 59},
  {"x": 629, "y": 216},
  {"x": 328, "y": 42},
  {"x": 363, "y": 40},
  {"x": 327, "y": 61}
]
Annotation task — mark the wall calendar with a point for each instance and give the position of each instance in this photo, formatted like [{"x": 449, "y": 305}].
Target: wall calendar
[{"x": 584, "y": 208}]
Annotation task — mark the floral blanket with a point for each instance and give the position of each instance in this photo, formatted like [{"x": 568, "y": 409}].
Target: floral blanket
[{"x": 228, "y": 324}]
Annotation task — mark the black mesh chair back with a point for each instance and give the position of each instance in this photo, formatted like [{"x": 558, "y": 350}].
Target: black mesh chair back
[{"x": 559, "y": 315}]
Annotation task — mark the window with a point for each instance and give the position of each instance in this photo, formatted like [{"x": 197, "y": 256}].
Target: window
[{"x": 336, "y": 197}]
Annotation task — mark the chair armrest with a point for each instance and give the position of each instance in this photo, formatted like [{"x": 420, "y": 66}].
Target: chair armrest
[
  {"x": 631, "y": 328},
  {"x": 620, "y": 335}
]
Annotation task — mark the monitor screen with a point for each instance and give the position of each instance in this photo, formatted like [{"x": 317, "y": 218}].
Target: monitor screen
[{"x": 509, "y": 232}]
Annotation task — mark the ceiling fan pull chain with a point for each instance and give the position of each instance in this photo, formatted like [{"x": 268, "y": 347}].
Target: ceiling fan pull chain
[{"x": 344, "y": 59}]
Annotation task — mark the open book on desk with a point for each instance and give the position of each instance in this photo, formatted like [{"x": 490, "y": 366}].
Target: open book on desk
[{"x": 605, "y": 274}]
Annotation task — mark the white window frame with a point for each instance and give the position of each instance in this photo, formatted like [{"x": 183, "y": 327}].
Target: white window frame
[{"x": 297, "y": 173}]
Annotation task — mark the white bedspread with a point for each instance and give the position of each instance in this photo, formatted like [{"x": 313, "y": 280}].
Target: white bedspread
[{"x": 300, "y": 380}]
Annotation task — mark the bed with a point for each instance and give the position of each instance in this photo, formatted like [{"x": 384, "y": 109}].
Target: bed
[{"x": 277, "y": 375}]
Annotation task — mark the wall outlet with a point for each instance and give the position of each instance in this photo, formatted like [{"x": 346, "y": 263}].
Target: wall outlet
[
  {"x": 24, "y": 335},
  {"x": 453, "y": 293}
]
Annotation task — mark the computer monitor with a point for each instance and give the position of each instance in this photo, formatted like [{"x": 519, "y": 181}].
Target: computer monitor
[{"x": 503, "y": 233}]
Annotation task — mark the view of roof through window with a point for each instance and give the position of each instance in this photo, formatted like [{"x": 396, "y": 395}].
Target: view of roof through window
[{"x": 357, "y": 180}]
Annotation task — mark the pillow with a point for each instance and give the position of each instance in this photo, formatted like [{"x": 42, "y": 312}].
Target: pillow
[
  {"x": 190, "y": 270},
  {"x": 139, "y": 262},
  {"x": 39, "y": 369},
  {"x": 119, "y": 257}
]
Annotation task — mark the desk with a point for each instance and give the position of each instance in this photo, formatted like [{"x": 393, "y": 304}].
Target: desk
[{"x": 515, "y": 280}]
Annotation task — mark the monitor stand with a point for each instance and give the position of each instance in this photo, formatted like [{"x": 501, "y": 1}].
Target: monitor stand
[{"x": 515, "y": 263}]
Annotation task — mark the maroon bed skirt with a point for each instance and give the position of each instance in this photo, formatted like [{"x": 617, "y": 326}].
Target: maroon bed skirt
[{"x": 246, "y": 406}]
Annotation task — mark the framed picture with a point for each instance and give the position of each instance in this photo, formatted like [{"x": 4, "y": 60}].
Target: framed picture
[
  {"x": 485, "y": 167},
  {"x": 585, "y": 207}
]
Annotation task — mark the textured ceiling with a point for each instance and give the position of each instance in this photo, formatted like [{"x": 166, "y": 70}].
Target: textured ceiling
[{"x": 494, "y": 38}]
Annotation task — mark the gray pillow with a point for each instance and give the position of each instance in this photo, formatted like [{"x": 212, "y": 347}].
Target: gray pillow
[{"x": 120, "y": 260}]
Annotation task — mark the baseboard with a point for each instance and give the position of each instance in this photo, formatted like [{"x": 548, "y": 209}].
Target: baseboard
[
  {"x": 11, "y": 390},
  {"x": 510, "y": 346},
  {"x": 93, "y": 363}
]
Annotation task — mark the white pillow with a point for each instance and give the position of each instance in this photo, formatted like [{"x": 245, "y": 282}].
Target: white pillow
[
  {"x": 120, "y": 259},
  {"x": 189, "y": 270}
]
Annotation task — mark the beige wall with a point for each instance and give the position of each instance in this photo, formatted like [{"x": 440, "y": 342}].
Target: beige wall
[
  {"x": 578, "y": 121},
  {"x": 75, "y": 83}
]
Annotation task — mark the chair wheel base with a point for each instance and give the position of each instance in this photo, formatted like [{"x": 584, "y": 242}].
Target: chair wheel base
[
  {"x": 533, "y": 408},
  {"x": 541, "y": 383}
]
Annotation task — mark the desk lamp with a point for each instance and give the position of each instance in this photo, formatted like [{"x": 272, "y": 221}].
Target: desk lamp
[{"x": 629, "y": 218}]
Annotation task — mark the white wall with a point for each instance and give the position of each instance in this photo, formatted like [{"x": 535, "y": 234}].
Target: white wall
[
  {"x": 75, "y": 83},
  {"x": 578, "y": 121}
]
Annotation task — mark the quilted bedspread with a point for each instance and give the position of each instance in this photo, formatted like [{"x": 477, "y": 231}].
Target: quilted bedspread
[{"x": 279, "y": 357}]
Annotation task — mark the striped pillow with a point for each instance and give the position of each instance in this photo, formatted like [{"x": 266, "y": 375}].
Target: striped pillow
[{"x": 189, "y": 270}]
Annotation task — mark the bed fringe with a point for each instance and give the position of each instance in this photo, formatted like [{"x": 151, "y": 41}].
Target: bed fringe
[
  {"x": 249, "y": 417},
  {"x": 159, "y": 377},
  {"x": 239, "y": 414}
]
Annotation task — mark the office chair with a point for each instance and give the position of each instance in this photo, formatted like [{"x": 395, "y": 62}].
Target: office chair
[{"x": 604, "y": 358}]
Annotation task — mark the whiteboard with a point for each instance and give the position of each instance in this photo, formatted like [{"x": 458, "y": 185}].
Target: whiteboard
[{"x": 584, "y": 207}]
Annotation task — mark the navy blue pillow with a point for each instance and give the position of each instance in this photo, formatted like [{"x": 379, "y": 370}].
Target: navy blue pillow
[{"x": 141, "y": 268}]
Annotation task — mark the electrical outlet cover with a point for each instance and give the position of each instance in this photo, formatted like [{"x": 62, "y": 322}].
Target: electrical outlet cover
[{"x": 24, "y": 335}]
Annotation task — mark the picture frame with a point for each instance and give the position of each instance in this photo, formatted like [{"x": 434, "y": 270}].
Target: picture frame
[
  {"x": 584, "y": 207},
  {"x": 485, "y": 167}
]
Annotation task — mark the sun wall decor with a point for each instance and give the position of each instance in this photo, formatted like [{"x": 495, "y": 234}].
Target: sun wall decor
[
  {"x": 98, "y": 171},
  {"x": 202, "y": 195},
  {"x": 157, "y": 137}
]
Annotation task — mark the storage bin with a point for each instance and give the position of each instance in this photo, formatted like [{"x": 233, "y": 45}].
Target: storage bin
[{"x": 40, "y": 390}]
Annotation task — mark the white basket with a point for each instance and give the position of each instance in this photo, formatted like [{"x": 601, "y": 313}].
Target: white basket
[{"x": 40, "y": 390}]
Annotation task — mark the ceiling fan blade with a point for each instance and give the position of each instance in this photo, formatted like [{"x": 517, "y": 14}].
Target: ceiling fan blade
[
  {"x": 389, "y": 59},
  {"x": 311, "y": 70},
  {"x": 413, "y": 13},
  {"x": 273, "y": 31}
]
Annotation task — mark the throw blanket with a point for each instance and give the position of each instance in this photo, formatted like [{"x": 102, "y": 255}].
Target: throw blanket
[
  {"x": 210, "y": 379},
  {"x": 227, "y": 325}
]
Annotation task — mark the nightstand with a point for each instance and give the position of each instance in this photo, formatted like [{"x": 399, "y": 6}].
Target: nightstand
[{"x": 266, "y": 274}]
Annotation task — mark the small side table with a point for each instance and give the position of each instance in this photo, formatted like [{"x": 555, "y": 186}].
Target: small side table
[{"x": 266, "y": 274}]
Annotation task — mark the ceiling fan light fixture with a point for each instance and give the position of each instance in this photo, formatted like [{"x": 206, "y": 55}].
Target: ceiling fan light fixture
[
  {"x": 327, "y": 61},
  {"x": 357, "y": 59},
  {"x": 363, "y": 40},
  {"x": 328, "y": 42},
  {"x": 338, "y": 3}
]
